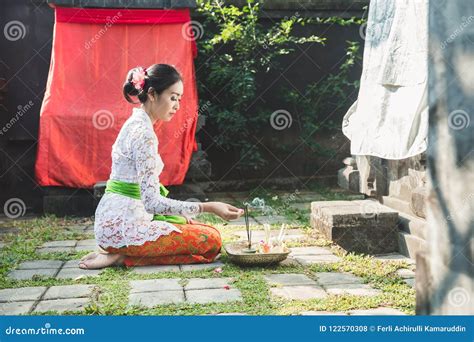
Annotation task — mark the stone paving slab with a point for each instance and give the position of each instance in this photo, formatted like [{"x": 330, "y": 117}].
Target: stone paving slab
[
  {"x": 153, "y": 285},
  {"x": 312, "y": 250},
  {"x": 64, "y": 243},
  {"x": 352, "y": 289},
  {"x": 394, "y": 257},
  {"x": 22, "y": 294},
  {"x": 155, "y": 269},
  {"x": 337, "y": 278},
  {"x": 89, "y": 242},
  {"x": 410, "y": 282},
  {"x": 29, "y": 274},
  {"x": 299, "y": 292},
  {"x": 241, "y": 222},
  {"x": 405, "y": 273},
  {"x": 68, "y": 291},
  {"x": 257, "y": 235},
  {"x": 213, "y": 296},
  {"x": 323, "y": 313},
  {"x": 317, "y": 259},
  {"x": 76, "y": 272},
  {"x": 71, "y": 263},
  {"x": 289, "y": 279},
  {"x": 61, "y": 305},
  {"x": 151, "y": 299},
  {"x": 43, "y": 250},
  {"x": 16, "y": 308},
  {"x": 377, "y": 311},
  {"x": 276, "y": 219},
  {"x": 207, "y": 283},
  {"x": 200, "y": 267},
  {"x": 35, "y": 264},
  {"x": 68, "y": 246}
]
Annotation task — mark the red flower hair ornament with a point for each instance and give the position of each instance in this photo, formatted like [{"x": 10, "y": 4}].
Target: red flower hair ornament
[{"x": 138, "y": 78}]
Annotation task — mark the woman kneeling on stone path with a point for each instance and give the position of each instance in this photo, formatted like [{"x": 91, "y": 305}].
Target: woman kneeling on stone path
[{"x": 135, "y": 224}]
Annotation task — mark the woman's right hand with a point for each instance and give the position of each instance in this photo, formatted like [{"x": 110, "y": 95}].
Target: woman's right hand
[{"x": 223, "y": 210}]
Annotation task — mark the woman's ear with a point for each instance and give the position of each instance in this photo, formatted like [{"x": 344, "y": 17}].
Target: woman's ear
[{"x": 151, "y": 94}]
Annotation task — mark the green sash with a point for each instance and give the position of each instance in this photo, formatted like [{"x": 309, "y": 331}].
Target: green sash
[{"x": 132, "y": 190}]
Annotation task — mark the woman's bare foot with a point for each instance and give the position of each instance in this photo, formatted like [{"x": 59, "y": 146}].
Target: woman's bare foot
[
  {"x": 91, "y": 255},
  {"x": 102, "y": 260}
]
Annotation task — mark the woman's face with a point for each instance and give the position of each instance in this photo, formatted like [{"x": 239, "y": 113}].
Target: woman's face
[{"x": 167, "y": 103}]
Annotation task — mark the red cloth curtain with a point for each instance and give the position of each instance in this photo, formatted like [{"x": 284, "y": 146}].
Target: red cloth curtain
[{"x": 83, "y": 108}]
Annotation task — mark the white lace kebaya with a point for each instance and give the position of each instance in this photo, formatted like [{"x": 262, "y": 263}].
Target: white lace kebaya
[{"x": 123, "y": 221}]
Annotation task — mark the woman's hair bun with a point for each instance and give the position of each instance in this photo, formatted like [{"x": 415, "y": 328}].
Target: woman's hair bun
[{"x": 158, "y": 76}]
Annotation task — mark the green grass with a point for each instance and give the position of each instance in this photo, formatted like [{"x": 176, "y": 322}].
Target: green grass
[{"x": 111, "y": 295}]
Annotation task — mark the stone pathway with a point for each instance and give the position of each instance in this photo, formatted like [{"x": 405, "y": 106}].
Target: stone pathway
[
  {"x": 176, "y": 268},
  {"x": 369, "y": 312},
  {"x": 301, "y": 287},
  {"x": 58, "y": 269},
  {"x": 153, "y": 292},
  {"x": 40, "y": 299},
  {"x": 69, "y": 246},
  {"x": 313, "y": 255},
  {"x": 81, "y": 229}
]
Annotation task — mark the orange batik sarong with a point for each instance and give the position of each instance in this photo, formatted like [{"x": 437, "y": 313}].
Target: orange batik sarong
[{"x": 198, "y": 243}]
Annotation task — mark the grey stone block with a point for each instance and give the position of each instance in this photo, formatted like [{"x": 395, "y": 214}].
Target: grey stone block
[
  {"x": 289, "y": 279},
  {"x": 357, "y": 226},
  {"x": 86, "y": 248},
  {"x": 62, "y": 305},
  {"x": 352, "y": 289},
  {"x": 200, "y": 267},
  {"x": 154, "y": 285},
  {"x": 73, "y": 273},
  {"x": 213, "y": 296},
  {"x": 299, "y": 292},
  {"x": 29, "y": 274},
  {"x": 21, "y": 294},
  {"x": 68, "y": 291},
  {"x": 64, "y": 243},
  {"x": 410, "y": 245},
  {"x": 209, "y": 283},
  {"x": 155, "y": 269},
  {"x": 336, "y": 278},
  {"x": 151, "y": 299},
  {"x": 16, "y": 308},
  {"x": 35, "y": 264}
]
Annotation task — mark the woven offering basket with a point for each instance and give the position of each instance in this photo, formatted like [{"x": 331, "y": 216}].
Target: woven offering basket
[{"x": 237, "y": 256}]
